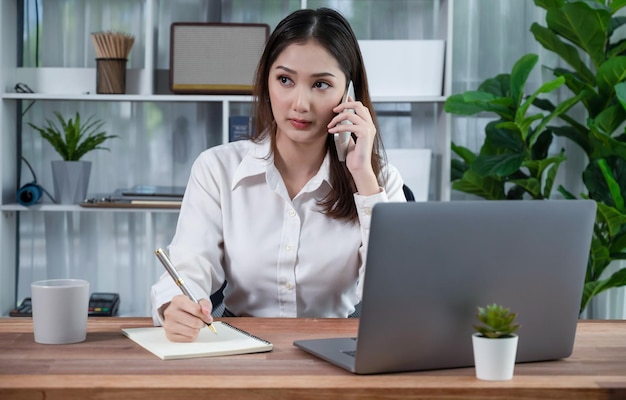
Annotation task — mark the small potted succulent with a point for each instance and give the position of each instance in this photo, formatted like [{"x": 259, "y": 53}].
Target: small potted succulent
[
  {"x": 72, "y": 140},
  {"x": 495, "y": 343}
]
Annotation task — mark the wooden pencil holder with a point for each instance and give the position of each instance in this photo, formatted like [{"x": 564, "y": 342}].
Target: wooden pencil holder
[{"x": 111, "y": 75}]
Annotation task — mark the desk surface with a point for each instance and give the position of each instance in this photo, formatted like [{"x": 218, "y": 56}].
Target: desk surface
[{"x": 108, "y": 365}]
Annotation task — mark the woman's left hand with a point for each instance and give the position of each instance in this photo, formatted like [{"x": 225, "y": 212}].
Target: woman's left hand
[{"x": 359, "y": 154}]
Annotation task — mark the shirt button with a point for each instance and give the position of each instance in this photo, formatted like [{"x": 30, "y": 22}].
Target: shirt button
[
  {"x": 288, "y": 247},
  {"x": 292, "y": 213},
  {"x": 288, "y": 285},
  {"x": 367, "y": 211}
]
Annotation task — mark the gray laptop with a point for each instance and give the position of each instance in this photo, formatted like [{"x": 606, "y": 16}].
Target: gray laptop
[{"x": 429, "y": 265}]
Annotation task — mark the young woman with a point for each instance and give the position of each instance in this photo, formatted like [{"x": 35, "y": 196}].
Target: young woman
[{"x": 279, "y": 217}]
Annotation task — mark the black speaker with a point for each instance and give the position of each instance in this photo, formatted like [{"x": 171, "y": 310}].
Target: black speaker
[{"x": 215, "y": 58}]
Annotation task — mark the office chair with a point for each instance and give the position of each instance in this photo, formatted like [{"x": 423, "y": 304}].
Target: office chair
[
  {"x": 408, "y": 193},
  {"x": 217, "y": 300}
]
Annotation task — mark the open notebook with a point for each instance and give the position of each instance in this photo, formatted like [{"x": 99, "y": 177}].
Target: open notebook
[{"x": 228, "y": 341}]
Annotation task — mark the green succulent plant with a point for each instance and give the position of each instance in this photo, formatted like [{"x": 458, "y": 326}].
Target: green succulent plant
[
  {"x": 71, "y": 139},
  {"x": 497, "y": 321}
]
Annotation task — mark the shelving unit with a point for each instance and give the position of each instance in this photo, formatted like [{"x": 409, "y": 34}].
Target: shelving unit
[{"x": 144, "y": 91}]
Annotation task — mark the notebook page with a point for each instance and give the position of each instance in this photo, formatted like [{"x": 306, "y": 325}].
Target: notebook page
[{"x": 228, "y": 341}]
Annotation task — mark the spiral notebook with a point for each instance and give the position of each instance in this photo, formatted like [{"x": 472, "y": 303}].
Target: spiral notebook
[{"x": 228, "y": 341}]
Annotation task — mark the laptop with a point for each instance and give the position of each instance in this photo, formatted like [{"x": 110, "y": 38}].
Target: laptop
[{"x": 430, "y": 264}]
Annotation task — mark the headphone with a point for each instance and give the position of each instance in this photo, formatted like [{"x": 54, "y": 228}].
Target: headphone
[{"x": 31, "y": 193}]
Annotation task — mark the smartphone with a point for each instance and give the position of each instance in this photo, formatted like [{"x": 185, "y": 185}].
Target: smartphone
[{"x": 343, "y": 139}]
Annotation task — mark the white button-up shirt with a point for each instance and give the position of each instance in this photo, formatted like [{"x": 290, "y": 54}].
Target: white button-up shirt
[{"x": 280, "y": 257}]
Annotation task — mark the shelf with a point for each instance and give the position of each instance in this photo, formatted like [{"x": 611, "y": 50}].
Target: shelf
[
  {"x": 58, "y": 237},
  {"x": 188, "y": 98},
  {"x": 77, "y": 208},
  {"x": 125, "y": 97}
]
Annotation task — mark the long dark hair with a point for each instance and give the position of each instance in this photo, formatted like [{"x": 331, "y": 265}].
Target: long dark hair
[{"x": 331, "y": 30}]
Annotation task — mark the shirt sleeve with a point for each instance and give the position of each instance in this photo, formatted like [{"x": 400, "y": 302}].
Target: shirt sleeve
[
  {"x": 197, "y": 247},
  {"x": 364, "y": 204}
]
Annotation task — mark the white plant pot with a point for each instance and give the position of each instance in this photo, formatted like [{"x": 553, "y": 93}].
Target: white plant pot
[
  {"x": 70, "y": 180},
  {"x": 494, "y": 359}
]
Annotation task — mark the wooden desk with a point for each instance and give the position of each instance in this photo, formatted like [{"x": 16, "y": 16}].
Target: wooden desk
[{"x": 110, "y": 366}]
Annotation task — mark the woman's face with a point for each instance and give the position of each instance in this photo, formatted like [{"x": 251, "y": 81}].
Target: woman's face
[{"x": 305, "y": 84}]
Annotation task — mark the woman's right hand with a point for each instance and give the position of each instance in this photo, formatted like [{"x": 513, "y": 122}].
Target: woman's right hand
[{"x": 183, "y": 318}]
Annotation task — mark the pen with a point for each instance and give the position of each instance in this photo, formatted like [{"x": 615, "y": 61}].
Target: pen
[{"x": 167, "y": 263}]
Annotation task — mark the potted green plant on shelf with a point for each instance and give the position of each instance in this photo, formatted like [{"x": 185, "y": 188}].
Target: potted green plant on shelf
[
  {"x": 72, "y": 140},
  {"x": 495, "y": 343}
]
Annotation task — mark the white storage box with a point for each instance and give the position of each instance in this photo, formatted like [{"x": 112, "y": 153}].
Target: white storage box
[{"x": 397, "y": 68}]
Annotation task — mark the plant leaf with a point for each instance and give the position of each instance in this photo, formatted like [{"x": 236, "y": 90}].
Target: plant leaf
[
  {"x": 466, "y": 154},
  {"x": 456, "y": 104},
  {"x": 531, "y": 185},
  {"x": 71, "y": 139},
  {"x": 582, "y": 25},
  {"x": 609, "y": 74},
  {"x": 519, "y": 74},
  {"x": 593, "y": 288},
  {"x": 614, "y": 187},
  {"x": 550, "y": 41},
  {"x": 500, "y": 165},
  {"x": 485, "y": 187}
]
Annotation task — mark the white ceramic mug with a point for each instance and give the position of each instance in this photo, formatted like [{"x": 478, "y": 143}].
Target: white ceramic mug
[{"x": 60, "y": 309}]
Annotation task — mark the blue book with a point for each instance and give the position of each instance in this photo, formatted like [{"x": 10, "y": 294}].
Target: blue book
[{"x": 239, "y": 127}]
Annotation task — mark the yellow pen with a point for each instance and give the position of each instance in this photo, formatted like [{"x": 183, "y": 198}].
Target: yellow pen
[{"x": 169, "y": 267}]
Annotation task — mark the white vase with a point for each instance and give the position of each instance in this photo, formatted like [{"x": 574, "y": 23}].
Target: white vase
[
  {"x": 494, "y": 359},
  {"x": 70, "y": 180}
]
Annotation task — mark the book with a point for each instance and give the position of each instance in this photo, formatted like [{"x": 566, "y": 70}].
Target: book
[
  {"x": 228, "y": 341},
  {"x": 147, "y": 192},
  {"x": 239, "y": 127},
  {"x": 139, "y": 196},
  {"x": 109, "y": 203},
  {"x": 157, "y": 203}
]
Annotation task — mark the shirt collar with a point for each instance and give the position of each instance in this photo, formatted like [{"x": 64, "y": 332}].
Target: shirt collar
[
  {"x": 255, "y": 162},
  {"x": 260, "y": 160}
]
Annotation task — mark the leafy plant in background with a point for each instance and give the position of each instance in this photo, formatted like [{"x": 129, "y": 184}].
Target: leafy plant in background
[
  {"x": 513, "y": 162},
  {"x": 584, "y": 30},
  {"x": 71, "y": 139}
]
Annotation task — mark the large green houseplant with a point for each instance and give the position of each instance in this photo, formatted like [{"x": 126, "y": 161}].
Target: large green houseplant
[
  {"x": 72, "y": 139},
  {"x": 514, "y": 162},
  {"x": 576, "y": 30}
]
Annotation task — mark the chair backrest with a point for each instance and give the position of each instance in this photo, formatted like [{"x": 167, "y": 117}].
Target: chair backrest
[{"x": 408, "y": 193}]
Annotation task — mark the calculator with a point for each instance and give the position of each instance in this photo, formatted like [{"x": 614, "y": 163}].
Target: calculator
[{"x": 104, "y": 304}]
